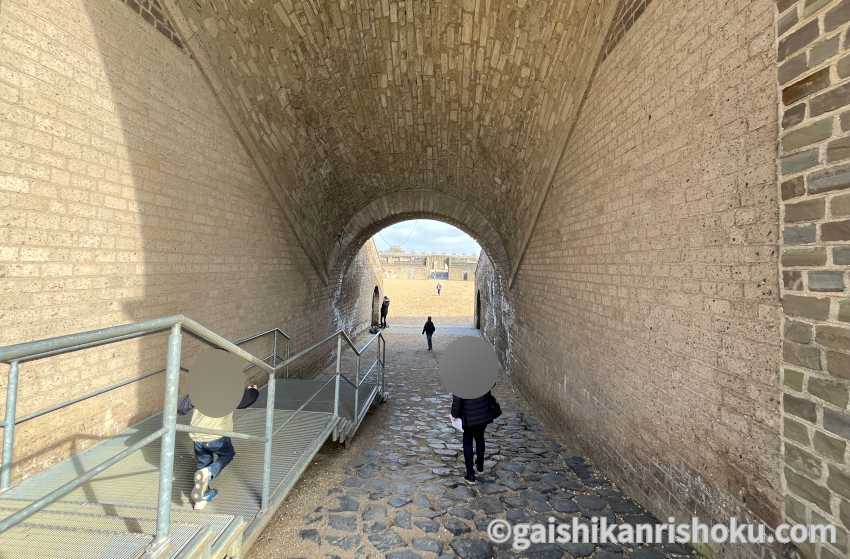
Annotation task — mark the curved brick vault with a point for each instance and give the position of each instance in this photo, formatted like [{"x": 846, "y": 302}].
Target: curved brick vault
[{"x": 342, "y": 103}]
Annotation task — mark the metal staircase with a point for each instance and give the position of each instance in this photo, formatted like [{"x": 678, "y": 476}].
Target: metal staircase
[{"x": 101, "y": 502}]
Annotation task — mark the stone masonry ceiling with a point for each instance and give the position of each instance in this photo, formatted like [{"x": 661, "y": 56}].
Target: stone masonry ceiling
[{"x": 346, "y": 101}]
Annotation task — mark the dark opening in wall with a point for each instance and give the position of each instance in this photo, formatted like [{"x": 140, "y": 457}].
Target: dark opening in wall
[{"x": 376, "y": 306}]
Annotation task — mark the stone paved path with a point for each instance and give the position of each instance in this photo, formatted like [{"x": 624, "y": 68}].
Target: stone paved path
[{"x": 399, "y": 493}]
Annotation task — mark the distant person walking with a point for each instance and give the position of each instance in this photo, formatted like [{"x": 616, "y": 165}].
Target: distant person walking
[
  {"x": 475, "y": 414},
  {"x": 439, "y": 288},
  {"x": 428, "y": 330},
  {"x": 385, "y": 308}
]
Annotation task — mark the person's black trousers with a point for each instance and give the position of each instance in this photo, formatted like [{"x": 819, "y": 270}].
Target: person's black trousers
[
  {"x": 383, "y": 321},
  {"x": 429, "y": 341},
  {"x": 474, "y": 432}
]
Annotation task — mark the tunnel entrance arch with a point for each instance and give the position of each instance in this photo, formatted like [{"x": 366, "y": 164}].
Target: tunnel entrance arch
[{"x": 415, "y": 204}]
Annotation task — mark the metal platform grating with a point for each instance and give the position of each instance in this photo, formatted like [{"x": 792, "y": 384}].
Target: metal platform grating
[{"x": 125, "y": 497}]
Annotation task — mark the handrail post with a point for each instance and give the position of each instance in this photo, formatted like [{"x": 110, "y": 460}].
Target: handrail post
[
  {"x": 357, "y": 391},
  {"x": 267, "y": 454},
  {"x": 336, "y": 389},
  {"x": 274, "y": 348},
  {"x": 382, "y": 355},
  {"x": 9, "y": 431},
  {"x": 288, "y": 351},
  {"x": 169, "y": 424}
]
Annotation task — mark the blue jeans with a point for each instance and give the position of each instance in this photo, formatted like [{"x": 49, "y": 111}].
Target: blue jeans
[
  {"x": 430, "y": 346},
  {"x": 206, "y": 453}
]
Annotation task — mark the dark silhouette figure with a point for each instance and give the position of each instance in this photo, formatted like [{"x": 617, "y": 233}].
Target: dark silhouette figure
[
  {"x": 475, "y": 414},
  {"x": 439, "y": 288},
  {"x": 428, "y": 330},
  {"x": 385, "y": 308}
]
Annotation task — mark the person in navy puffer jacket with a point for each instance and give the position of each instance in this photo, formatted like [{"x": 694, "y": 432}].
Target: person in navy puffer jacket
[{"x": 475, "y": 414}]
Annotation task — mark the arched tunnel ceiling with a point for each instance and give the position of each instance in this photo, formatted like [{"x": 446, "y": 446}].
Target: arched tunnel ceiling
[{"x": 346, "y": 101}]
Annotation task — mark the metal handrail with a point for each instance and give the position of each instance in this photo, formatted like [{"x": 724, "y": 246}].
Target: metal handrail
[
  {"x": 302, "y": 406},
  {"x": 261, "y": 334},
  {"x": 83, "y": 398},
  {"x": 57, "y": 494},
  {"x": 17, "y": 354}
]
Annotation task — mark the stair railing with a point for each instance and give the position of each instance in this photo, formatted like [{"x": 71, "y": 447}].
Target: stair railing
[{"x": 18, "y": 354}]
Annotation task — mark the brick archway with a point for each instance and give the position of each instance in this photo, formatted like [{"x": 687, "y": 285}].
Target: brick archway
[{"x": 415, "y": 204}]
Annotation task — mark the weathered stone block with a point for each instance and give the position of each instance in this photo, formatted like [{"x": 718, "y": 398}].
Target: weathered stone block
[
  {"x": 793, "y": 379},
  {"x": 798, "y": 39},
  {"x": 832, "y": 391},
  {"x": 807, "y": 356},
  {"x": 802, "y": 461},
  {"x": 807, "y": 135},
  {"x": 806, "y": 307},
  {"x": 836, "y": 422},
  {"x": 793, "y": 188},
  {"x": 841, "y": 255},
  {"x": 806, "y": 489},
  {"x": 786, "y": 22},
  {"x": 838, "y": 150},
  {"x": 844, "y": 311},
  {"x": 792, "y": 68},
  {"x": 833, "y": 337},
  {"x": 800, "y": 407},
  {"x": 835, "y": 231},
  {"x": 838, "y": 481},
  {"x": 830, "y": 100},
  {"x": 812, "y": 6},
  {"x": 792, "y": 280},
  {"x": 838, "y": 364},
  {"x": 839, "y": 206},
  {"x": 808, "y": 210},
  {"x": 806, "y": 86},
  {"x": 844, "y": 514},
  {"x": 795, "y": 431},
  {"x": 794, "y": 116},
  {"x": 834, "y": 178},
  {"x": 799, "y": 162},
  {"x": 837, "y": 16},
  {"x": 823, "y": 50},
  {"x": 803, "y": 234},
  {"x": 829, "y": 447},
  {"x": 826, "y": 281},
  {"x": 804, "y": 257},
  {"x": 795, "y": 510},
  {"x": 799, "y": 332},
  {"x": 843, "y": 67}
]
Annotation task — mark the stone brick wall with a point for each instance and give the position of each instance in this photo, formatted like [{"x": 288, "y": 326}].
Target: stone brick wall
[
  {"x": 813, "y": 56},
  {"x": 353, "y": 296},
  {"x": 152, "y": 12},
  {"x": 494, "y": 313},
  {"x": 628, "y": 12},
  {"x": 124, "y": 195},
  {"x": 646, "y": 312}
]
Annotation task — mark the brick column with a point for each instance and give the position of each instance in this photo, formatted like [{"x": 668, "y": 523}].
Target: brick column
[{"x": 814, "y": 177}]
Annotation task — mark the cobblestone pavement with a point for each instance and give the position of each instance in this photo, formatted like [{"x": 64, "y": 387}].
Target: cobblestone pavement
[{"x": 401, "y": 494}]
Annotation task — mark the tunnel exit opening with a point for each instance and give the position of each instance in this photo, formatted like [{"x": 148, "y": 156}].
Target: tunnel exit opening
[{"x": 425, "y": 266}]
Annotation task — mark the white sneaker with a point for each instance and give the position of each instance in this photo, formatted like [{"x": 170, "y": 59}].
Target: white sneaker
[
  {"x": 202, "y": 503},
  {"x": 202, "y": 482}
]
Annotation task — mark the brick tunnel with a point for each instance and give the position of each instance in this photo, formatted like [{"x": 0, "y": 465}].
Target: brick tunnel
[{"x": 659, "y": 189}]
